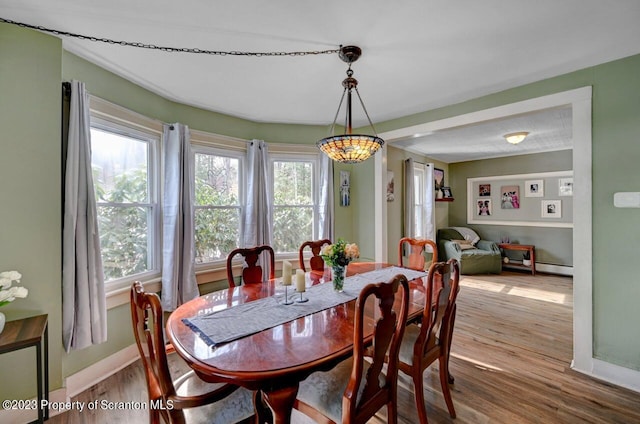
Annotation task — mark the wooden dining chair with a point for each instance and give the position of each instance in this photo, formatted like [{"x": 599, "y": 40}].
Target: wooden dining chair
[
  {"x": 416, "y": 249},
  {"x": 354, "y": 390},
  {"x": 251, "y": 271},
  {"x": 316, "y": 262},
  {"x": 423, "y": 344},
  {"x": 187, "y": 399}
]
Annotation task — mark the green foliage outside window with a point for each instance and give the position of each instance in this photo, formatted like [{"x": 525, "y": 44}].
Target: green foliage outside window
[{"x": 124, "y": 239}]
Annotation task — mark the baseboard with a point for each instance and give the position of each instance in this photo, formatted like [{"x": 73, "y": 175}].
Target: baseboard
[
  {"x": 555, "y": 269},
  {"x": 615, "y": 374},
  {"x": 77, "y": 383},
  {"x": 93, "y": 374}
]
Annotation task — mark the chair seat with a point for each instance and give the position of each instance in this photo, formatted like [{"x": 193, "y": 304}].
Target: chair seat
[
  {"x": 236, "y": 407},
  {"x": 319, "y": 389}
]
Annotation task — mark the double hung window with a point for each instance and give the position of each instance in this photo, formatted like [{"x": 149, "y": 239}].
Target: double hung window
[
  {"x": 295, "y": 200},
  {"x": 124, "y": 161}
]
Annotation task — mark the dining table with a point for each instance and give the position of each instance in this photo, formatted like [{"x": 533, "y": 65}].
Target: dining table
[{"x": 272, "y": 361}]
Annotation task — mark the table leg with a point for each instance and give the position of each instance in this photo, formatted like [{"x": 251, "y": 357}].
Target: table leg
[
  {"x": 281, "y": 403},
  {"x": 39, "y": 382},
  {"x": 46, "y": 369}
]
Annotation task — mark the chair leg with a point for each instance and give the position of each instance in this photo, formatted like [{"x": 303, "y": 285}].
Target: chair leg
[
  {"x": 449, "y": 340},
  {"x": 418, "y": 388},
  {"x": 444, "y": 382},
  {"x": 392, "y": 412}
]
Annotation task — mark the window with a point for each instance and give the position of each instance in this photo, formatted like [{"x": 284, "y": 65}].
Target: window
[
  {"x": 294, "y": 201},
  {"x": 419, "y": 175},
  {"x": 124, "y": 164},
  {"x": 218, "y": 209}
]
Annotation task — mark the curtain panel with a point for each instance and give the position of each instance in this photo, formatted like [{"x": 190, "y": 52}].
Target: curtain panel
[
  {"x": 178, "y": 215},
  {"x": 258, "y": 217},
  {"x": 84, "y": 311}
]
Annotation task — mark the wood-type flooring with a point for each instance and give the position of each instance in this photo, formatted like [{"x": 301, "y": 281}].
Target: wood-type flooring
[{"x": 511, "y": 355}]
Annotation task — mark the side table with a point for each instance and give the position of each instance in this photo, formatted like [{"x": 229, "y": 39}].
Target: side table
[
  {"x": 523, "y": 247},
  {"x": 24, "y": 333}
]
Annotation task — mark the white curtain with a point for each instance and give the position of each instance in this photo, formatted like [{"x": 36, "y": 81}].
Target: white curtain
[
  {"x": 258, "y": 217},
  {"x": 429, "y": 204},
  {"x": 325, "y": 219},
  {"x": 409, "y": 201},
  {"x": 178, "y": 252},
  {"x": 428, "y": 212},
  {"x": 84, "y": 311}
]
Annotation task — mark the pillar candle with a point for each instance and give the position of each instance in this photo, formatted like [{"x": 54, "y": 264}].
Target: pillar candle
[
  {"x": 300, "y": 281},
  {"x": 286, "y": 273}
]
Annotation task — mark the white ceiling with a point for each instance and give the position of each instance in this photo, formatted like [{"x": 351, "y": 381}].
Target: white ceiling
[{"x": 417, "y": 54}]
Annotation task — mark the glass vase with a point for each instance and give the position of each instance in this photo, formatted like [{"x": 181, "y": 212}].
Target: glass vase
[
  {"x": 339, "y": 273},
  {"x": 2, "y": 321}
]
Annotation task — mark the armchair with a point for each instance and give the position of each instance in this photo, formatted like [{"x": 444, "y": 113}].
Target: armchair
[{"x": 481, "y": 257}]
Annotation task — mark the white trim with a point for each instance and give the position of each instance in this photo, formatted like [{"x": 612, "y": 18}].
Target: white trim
[
  {"x": 580, "y": 101},
  {"x": 95, "y": 373},
  {"x": 471, "y": 211},
  {"x": 104, "y": 109},
  {"x": 554, "y": 269},
  {"x": 380, "y": 205},
  {"x": 582, "y": 235},
  {"x": 615, "y": 374},
  {"x": 77, "y": 383}
]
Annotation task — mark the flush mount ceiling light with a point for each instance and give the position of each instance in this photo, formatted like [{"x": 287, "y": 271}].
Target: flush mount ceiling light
[
  {"x": 350, "y": 148},
  {"x": 517, "y": 137}
]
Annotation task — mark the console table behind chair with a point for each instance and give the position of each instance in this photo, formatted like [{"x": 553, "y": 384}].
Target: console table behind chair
[{"x": 27, "y": 332}]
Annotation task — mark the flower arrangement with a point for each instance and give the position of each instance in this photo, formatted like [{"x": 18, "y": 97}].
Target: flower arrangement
[
  {"x": 8, "y": 292},
  {"x": 340, "y": 253},
  {"x": 338, "y": 256}
]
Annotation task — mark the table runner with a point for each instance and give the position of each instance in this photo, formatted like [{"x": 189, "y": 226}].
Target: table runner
[{"x": 231, "y": 324}]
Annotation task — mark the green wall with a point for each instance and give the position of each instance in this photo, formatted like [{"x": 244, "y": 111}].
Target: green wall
[
  {"x": 616, "y": 108},
  {"x": 33, "y": 65},
  {"x": 553, "y": 245},
  {"x": 30, "y": 187}
]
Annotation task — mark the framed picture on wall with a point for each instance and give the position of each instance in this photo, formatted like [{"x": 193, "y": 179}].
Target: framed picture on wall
[
  {"x": 552, "y": 209},
  {"x": 446, "y": 192},
  {"x": 484, "y": 190},
  {"x": 484, "y": 207},
  {"x": 510, "y": 197},
  {"x": 390, "y": 183},
  {"x": 565, "y": 186},
  {"x": 345, "y": 195},
  {"x": 438, "y": 177},
  {"x": 534, "y": 188}
]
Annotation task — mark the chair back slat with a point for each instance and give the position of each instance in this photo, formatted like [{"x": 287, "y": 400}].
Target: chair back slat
[
  {"x": 416, "y": 249},
  {"x": 252, "y": 272},
  {"x": 316, "y": 262}
]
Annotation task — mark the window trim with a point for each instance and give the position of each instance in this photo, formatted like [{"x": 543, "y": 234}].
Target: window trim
[
  {"x": 297, "y": 153},
  {"x": 420, "y": 170}
]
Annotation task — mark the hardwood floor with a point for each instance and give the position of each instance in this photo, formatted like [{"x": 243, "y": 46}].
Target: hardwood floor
[{"x": 511, "y": 352}]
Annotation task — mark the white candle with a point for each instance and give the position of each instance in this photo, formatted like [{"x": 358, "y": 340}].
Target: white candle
[
  {"x": 300, "y": 281},
  {"x": 286, "y": 273}
]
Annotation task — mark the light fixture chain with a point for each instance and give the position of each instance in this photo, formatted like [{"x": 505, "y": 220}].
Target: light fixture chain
[
  {"x": 165, "y": 48},
  {"x": 365, "y": 111}
]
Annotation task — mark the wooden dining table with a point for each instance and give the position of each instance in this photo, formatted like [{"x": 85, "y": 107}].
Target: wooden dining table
[{"x": 273, "y": 361}]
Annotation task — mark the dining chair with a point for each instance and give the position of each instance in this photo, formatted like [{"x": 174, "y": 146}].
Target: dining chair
[
  {"x": 188, "y": 399},
  {"x": 423, "y": 344},
  {"x": 316, "y": 262},
  {"x": 354, "y": 390},
  {"x": 252, "y": 271},
  {"x": 416, "y": 249}
]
